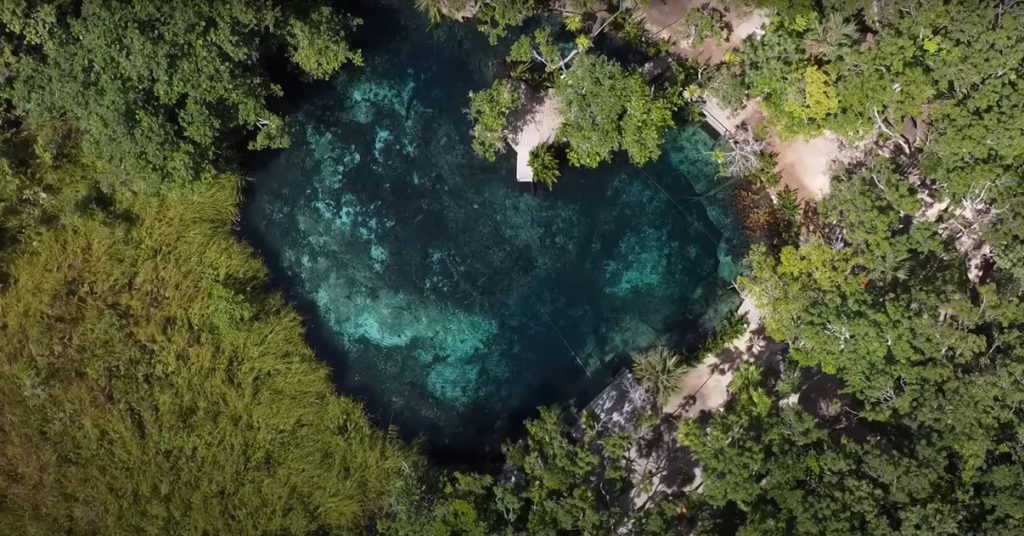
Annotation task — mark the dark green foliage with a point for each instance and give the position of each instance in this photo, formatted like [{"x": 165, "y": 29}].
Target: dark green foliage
[
  {"x": 895, "y": 411},
  {"x": 729, "y": 87},
  {"x": 921, "y": 438},
  {"x": 789, "y": 211},
  {"x": 493, "y": 17},
  {"x": 150, "y": 385},
  {"x": 731, "y": 329},
  {"x": 604, "y": 107},
  {"x": 706, "y": 23},
  {"x": 158, "y": 88},
  {"x": 496, "y": 16},
  {"x": 544, "y": 165},
  {"x": 565, "y": 478},
  {"x": 1007, "y": 234},
  {"x": 766, "y": 175},
  {"x": 830, "y": 36},
  {"x": 817, "y": 69},
  {"x": 31, "y": 195},
  {"x": 538, "y": 47}
]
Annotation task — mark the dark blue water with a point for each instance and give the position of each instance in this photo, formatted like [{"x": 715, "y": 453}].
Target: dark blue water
[{"x": 450, "y": 300}]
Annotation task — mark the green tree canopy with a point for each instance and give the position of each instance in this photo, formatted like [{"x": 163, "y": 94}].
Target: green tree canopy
[
  {"x": 605, "y": 108},
  {"x": 489, "y": 111},
  {"x": 919, "y": 435},
  {"x": 566, "y": 477},
  {"x": 159, "y": 88}
]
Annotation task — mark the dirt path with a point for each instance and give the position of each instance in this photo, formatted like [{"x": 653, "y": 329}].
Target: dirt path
[{"x": 706, "y": 386}]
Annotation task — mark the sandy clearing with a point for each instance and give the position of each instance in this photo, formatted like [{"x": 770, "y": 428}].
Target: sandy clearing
[
  {"x": 805, "y": 165},
  {"x": 664, "y": 18}
]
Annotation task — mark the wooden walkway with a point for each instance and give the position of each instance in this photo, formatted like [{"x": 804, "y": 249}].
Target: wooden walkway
[
  {"x": 540, "y": 128},
  {"x": 712, "y": 118},
  {"x": 543, "y": 121},
  {"x": 721, "y": 119}
]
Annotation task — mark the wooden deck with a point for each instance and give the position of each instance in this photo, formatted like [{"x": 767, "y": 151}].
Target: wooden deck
[
  {"x": 543, "y": 120},
  {"x": 721, "y": 119},
  {"x": 539, "y": 128}
]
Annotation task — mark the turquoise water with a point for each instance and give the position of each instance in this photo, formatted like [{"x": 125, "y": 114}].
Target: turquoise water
[{"x": 447, "y": 298}]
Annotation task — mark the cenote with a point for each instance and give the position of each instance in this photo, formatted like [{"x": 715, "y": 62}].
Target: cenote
[{"x": 447, "y": 299}]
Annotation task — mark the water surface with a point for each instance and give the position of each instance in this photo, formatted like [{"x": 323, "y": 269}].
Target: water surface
[{"x": 450, "y": 300}]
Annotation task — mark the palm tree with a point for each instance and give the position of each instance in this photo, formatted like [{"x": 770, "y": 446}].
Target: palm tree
[
  {"x": 893, "y": 266},
  {"x": 830, "y": 35},
  {"x": 544, "y": 165},
  {"x": 659, "y": 371},
  {"x": 438, "y": 10}
]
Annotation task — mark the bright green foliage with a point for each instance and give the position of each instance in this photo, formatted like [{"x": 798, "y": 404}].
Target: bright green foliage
[
  {"x": 914, "y": 55},
  {"x": 565, "y": 478},
  {"x": 438, "y": 10},
  {"x": 496, "y": 16},
  {"x": 315, "y": 46},
  {"x": 489, "y": 111},
  {"x": 604, "y": 108},
  {"x": 150, "y": 386},
  {"x": 149, "y": 382},
  {"x": 728, "y": 87},
  {"x": 157, "y": 87},
  {"x": 967, "y": 73},
  {"x": 819, "y": 95},
  {"x": 733, "y": 327},
  {"x": 830, "y": 36},
  {"x": 544, "y": 165},
  {"x": 573, "y": 23},
  {"x": 583, "y": 43},
  {"x": 775, "y": 68},
  {"x": 31, "y": 194}
]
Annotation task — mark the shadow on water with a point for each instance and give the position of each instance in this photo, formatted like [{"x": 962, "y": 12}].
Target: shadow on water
[{"x": 448, "y": 300}]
